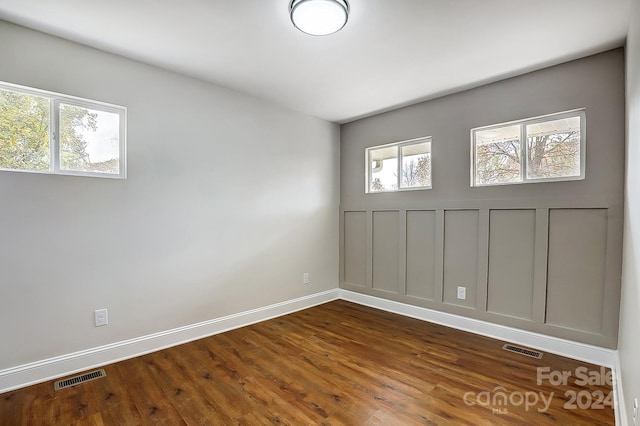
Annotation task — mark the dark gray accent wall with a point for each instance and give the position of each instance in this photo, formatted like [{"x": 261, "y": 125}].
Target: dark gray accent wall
[{"x": 544, "y": 257}]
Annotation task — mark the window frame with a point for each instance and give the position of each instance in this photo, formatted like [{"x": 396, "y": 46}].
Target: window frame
[
  {"x": 55, "y": 99},
  {"x": 399, "y": 145},
  {"x": 523, "y": 123}
]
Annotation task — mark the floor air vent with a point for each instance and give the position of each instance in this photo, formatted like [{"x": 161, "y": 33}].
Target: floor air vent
[
  {"x": 523, "y": 351},
  {"x": 73, "y": 381}
]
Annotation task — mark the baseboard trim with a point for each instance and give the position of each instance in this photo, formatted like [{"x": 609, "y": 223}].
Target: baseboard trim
[
  {"x": 52, "y": 368},
  {"x": 567, "y": 348},
  {"x": 620, "y": 409}
]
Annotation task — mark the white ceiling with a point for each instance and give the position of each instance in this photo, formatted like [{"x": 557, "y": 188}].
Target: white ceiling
[{"x": 391, "y": 52}]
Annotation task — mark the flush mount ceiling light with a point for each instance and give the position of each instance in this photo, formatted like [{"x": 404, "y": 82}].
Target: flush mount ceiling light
[{"x": 319, "y": 17}]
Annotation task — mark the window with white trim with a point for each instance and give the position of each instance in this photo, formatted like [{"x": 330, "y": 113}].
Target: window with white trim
[
  {"x": 45, "y": 132},
  {"x": 399, "y": 166},
  {"x": 541, "y": 149}
]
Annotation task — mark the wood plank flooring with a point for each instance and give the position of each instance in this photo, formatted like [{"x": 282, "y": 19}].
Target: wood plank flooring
[{"x": 334, "y": 364}]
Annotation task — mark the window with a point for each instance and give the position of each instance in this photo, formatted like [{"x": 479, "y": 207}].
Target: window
[
  {"x": 399, "y": 166},
  {"x": 51, "y": 133},
  {"x": 542, "y": 149}
]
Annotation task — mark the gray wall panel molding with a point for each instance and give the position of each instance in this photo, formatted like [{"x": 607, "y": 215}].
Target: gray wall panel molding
[
  {"x": 369, "y": 249},
  {"x": 461, "y": 257},
  {"x": 402, "y": 252},
  {"x": 548, "y": 300},
  {"x": 355, "y": 248},
  {"x": 576, "y": 268},
  {"x": 386, "y": 251},
  {"x": 420, "y": 252},
  {"x": 512, "y": 263},
  {"x": 613, "y": 271},
  {"x": 438, "y": 290},
  {"x": 483, "y": 260},
  {"x": 539, "y": 302}
]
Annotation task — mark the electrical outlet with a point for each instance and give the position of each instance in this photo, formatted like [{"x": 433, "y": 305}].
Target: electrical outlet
[
  {"x": 305, "y": 278},
  {"x": 101, "y": 317},
  {"x": 635, "y": 412},
  {"x": 462, "y": 292}
]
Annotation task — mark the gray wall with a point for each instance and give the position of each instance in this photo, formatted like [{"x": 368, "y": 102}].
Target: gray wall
[
  {"x": 628, "y": 343},
  {"x": 544, "y": 257},
  {"x": 229, "y": 199}
]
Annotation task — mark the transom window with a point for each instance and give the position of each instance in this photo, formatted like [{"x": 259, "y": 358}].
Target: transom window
[
  {"x": 399, "y": 166},
  {"x": 541, "y": 149},
  {"x": 47, "y": 132}
]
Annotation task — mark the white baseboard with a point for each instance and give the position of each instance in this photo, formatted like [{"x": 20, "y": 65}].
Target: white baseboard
[
  {"x": 52, "y": 368},
  {"x": 567, "y": 348},
  {"x": 618, "y": 394}
]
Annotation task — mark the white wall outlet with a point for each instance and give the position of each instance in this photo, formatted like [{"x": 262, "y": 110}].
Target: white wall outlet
[
  {"x": 635, "y": 411},
  {"x": 462, "y": 292},
  {"x": 305, "y": 278},
  {"x": 101, "y": 317}
]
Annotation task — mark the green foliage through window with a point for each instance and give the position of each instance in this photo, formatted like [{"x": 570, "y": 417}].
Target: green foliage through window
[
  {"x": 85, "y": 137},
  {"x": 24, "y": 131}
]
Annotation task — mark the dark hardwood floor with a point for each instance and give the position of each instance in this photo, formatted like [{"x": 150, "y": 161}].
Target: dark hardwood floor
[{"x": 334, "y": 364}]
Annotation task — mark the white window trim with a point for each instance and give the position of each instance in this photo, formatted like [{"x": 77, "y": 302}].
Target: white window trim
[
  {"x": 580, "y": 112},
  {"x": 55, "y": 99},
  {"x": 400, "y": 144}
]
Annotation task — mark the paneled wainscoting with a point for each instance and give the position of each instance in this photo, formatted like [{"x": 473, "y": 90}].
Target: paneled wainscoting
[{"x": 548, "y": 270}]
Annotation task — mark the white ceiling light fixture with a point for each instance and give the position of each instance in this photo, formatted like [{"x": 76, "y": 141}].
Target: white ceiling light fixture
[{"x": 319, "y": 17}]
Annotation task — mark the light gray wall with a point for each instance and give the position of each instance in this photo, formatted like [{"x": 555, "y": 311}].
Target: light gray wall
[
  {"x": 544, "y": 257},
  {"x": 629, "y": 341},
  {"x": 229, "y": 199}
]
